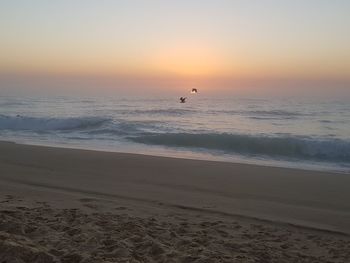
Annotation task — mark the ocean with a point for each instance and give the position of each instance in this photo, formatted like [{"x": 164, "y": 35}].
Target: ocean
[{"x": 283, "y": 132}]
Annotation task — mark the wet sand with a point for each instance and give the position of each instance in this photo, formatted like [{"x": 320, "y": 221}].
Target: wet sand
[{"x": 64, "y": 205}]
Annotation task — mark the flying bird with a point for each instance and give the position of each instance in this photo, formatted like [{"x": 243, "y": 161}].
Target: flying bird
[
  {"x": 183, "y": 99},
  {"x": 194, "y": 90}
]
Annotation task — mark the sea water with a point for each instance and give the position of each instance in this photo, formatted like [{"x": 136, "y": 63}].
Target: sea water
[{"x": 294, "y": 132}]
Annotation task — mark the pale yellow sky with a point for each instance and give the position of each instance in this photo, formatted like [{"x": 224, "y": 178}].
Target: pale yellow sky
[{"x": 174, "y": 43}]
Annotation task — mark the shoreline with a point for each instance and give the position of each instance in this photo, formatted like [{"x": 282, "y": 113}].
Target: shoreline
[
  {"x": 309, "y": 166},
  {"x": 260, "y": 188},
  {"x": 72, "y": 205}
]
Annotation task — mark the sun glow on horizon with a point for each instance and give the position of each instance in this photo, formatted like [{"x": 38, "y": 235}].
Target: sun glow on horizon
[
  {"x": 175, "y": 43},
  {"x": 189, "y": 60}
]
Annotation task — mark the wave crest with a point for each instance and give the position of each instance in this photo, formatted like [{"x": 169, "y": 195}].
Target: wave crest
[
  {"x": 18, "y": 123},
  {"x": 334, "y": 150},
  {"x": 167, "y": 112}
]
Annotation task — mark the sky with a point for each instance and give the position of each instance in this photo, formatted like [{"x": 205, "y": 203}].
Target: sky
[{"x": 231, "y": 46}]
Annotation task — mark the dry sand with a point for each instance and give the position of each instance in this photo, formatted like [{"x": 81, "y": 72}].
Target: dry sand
[{"x": 63, "y": 205}]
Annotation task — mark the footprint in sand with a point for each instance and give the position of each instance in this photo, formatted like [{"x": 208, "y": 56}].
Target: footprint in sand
[
  {"x": 121, "y": 208},
  {"x": 7, "y": 198},
  {"x": 88, "y": 202},
  {"x": 209, "y": 207}
]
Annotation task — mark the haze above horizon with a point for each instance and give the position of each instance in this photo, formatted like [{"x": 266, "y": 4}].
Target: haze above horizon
[{"x": 156, "y": 45}]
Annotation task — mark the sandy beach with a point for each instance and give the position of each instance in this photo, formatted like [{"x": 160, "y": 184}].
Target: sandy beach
[{"x": 66, "y": 205}]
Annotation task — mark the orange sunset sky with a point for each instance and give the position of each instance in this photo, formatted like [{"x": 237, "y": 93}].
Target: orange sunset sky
[{"x": 149, "y": 45}]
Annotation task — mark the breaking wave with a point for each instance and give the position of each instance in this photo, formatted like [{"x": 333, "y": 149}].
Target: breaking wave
[
  {"x": 21, "y": 123},
  {"x": 263, "y": 114},
  {"x": 330, "y": 150},
  {"x": 166, "y": 112},
  {"x": 283, "y": 113}
]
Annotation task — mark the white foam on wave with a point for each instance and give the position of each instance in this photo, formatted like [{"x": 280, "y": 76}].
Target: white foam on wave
[
  {"x": 330, "y": 150},
  {"x": 158, "y": 111},
  {"x": 20, "y": 123}
]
